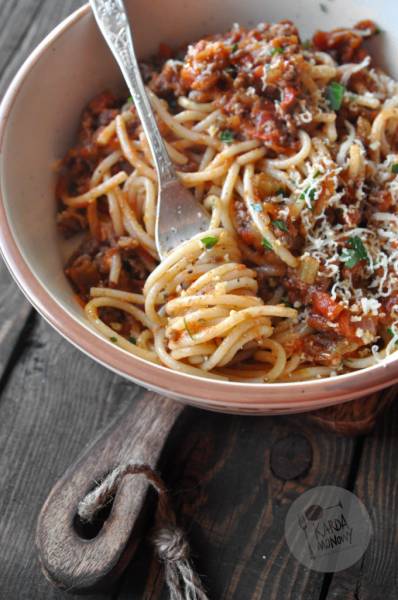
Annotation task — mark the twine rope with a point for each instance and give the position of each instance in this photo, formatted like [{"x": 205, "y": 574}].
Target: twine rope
[{"x": 168, "y": 540}]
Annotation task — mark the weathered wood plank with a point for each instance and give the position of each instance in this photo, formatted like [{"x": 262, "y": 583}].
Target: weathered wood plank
[
  {"x": 233, "y": 481},
  {"x": 14, "y": 310},
  {"x": 27, "y": 21},
  {"x": 55, "y": 401},
  {"x": 376, "y": 576}
]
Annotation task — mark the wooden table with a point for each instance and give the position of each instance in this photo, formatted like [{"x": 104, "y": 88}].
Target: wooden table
[{"x": 233, "y": 478}]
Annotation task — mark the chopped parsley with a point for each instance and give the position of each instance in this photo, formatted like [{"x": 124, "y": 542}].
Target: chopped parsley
[
  {"x": 280, "y": 225},
  {"x": 287, "y": 303},
  {"x": 309, "y": 196},
  {"x": 132, "y": 340},
  {"x": 307, "y": 44},
  {"x": 392, "y": 333},
  {"x": 227, "y": 136},
  {"x": 257, "y": 207},
  {"x": 394, "y": 168},
  {"x": 378, "y": 31},
  {"x": 335, "y": 94},
  {"x": 265, "y": 243},
  {"x": 113, "y": 339},
  {"x": 209, "y": 241},
  {"x": 276, "y": 50},
  {"x": 187, "y": 328},
  {"x": 355, "y": 253},
  {"x": 310, "y": 192},
  {"x": 235, "y": 47}
]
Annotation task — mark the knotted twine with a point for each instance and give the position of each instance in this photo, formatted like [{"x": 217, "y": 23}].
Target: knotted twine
[{"x": 169, "y": 541}]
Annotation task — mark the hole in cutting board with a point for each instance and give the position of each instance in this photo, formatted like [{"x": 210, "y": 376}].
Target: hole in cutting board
[{"x": 88, "y": 530}]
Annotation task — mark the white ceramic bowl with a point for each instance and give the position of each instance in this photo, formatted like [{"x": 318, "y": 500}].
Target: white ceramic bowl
[{"x": 39, "y": 118}]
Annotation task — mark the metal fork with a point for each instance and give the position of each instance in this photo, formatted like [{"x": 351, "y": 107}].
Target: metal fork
[{"x": 179, "y": 214}]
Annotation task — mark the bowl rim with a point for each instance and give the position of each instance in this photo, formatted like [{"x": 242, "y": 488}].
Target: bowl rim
[{"x": 208, "y": 393}]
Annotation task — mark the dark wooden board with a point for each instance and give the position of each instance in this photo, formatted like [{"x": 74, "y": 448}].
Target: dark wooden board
[
  {"x": 14, "y": 311},
  {"x": 233, "y": 478},
  {"x": 24, "y": 24},
  {"x": 375, "y": 577},
  {"x": 44, "y": 424}
]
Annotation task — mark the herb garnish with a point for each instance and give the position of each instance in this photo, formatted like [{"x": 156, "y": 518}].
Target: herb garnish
[
  {"x": 334, "y": 95},
  {"x": 394, "y": 168},
  {"x": 309, "y": 194},
  {"x": 286, "y": 302},
  {"x": 265, "y": 243},
  {"x": 276, "y": 50},
  {"x": 132, "y": 340},
  {"x": 234, "y": 47},
  {"x": 227, "y": 136},
  {"x": 355, "y": 253},
  {"x": 113, "y": 339},
  {"x": 280, "y": 225},
  {"x": 187, "y": 328},
  {"x": 307, "y": 44},
  {"x": 209, "y": 241}
]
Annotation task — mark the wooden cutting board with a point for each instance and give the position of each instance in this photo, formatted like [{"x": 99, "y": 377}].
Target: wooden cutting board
[{"x": 357, "y": 417}]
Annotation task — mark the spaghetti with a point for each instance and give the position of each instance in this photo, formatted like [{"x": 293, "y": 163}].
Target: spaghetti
[{"x": 292, "y": 148}]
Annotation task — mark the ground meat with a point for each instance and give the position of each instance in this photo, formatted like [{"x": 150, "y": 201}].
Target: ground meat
[
  {"x": 256, "y": 85},
  {"x": 244, "y": 225},
  {"x": 83, "y": 274},
  {"x": 323, "y": 348},
  {"x": 71, "y": 221},
  {"x": 118, "y": 320},
  {"x": 168, "y": 82},
  {"x": 90, "y": 265},
  {"x": 345, "y": 45},
  {"x": 78, "y": 165}
]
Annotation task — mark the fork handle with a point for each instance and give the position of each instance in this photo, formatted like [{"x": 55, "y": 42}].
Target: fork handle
[{"x": 112, "y": 20}]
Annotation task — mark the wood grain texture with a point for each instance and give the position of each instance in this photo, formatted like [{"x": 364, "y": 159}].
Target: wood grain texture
[
  {"x": 355, "y": 418},
  {"x": 14, "y": 311},
  {"x": 375, "y": 577},
  {"x": 24, "y": 24},
  {"x": 82, "y": 563},
  {"x": 56, "y": 401},
  {"x": 28, "y": 22},
  {"x": 233, "y": 480}
]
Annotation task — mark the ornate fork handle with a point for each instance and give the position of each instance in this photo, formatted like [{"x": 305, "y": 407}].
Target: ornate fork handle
[{"x": 112, "y": 19}]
